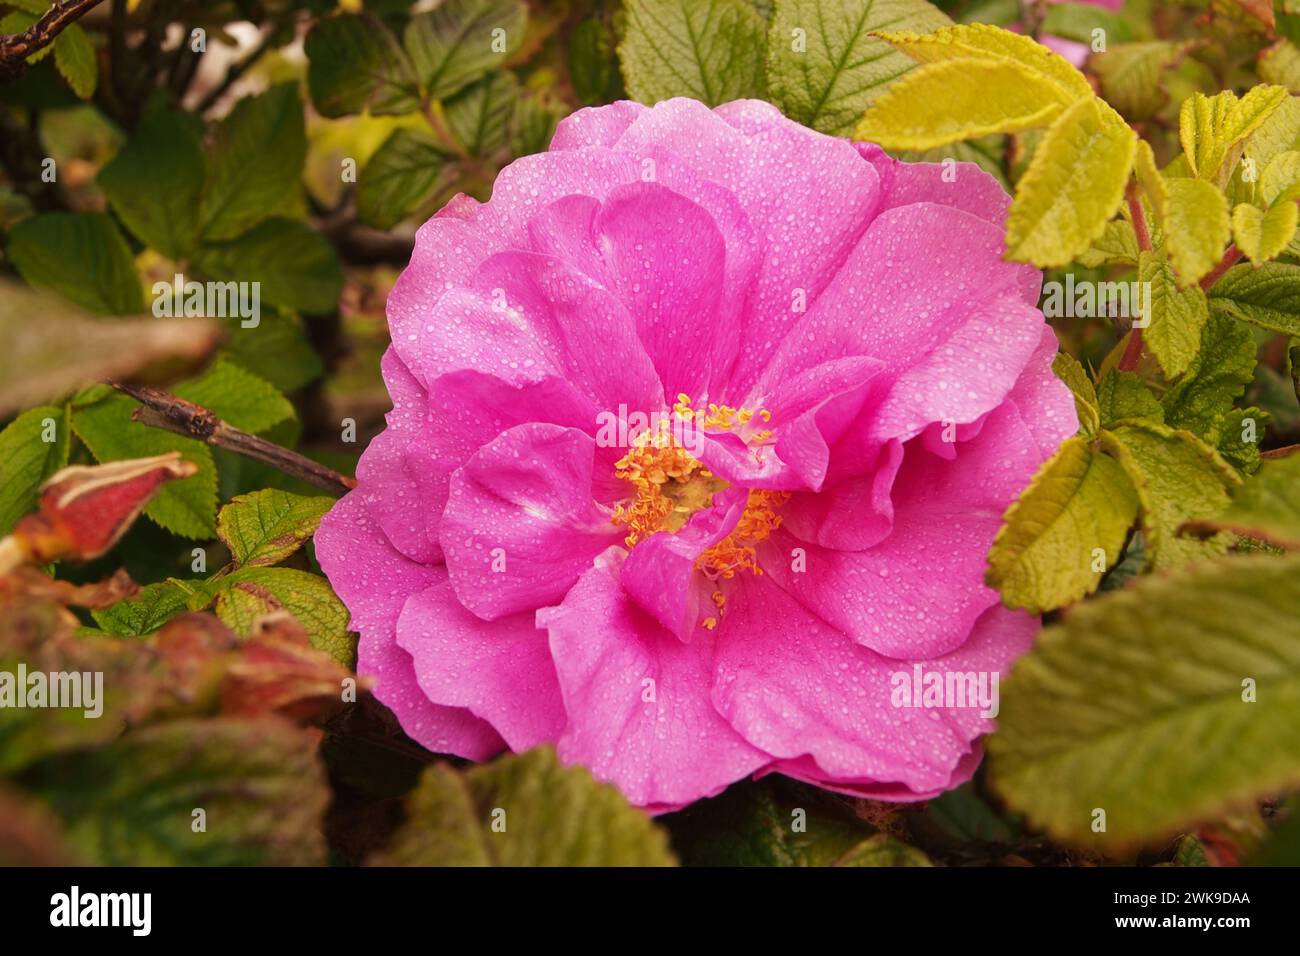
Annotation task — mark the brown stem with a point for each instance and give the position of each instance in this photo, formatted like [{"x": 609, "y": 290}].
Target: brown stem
[
  {"x": 1133, "y": 351},
  {"x": 171, "y": 413},
  {"x": 1284, "y": 452},
  {"x": 1227, "y": 262},
  {"x": 15, "y": 49},
  {"x": 1139, "y": 218}
]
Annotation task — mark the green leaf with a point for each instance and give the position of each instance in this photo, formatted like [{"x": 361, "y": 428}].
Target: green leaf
[
  {"x": 953, "y": 100},
  {"x": 824, "y": 68},
  {"x": 240, "y": 398},
  {"x": 460, "y": 41},
  {"x": 267, "y": 526},
  {"x": 102, "y": 419},
  {"x": 1117, "y": 245},
  {"x": 254, "y": 163},
  {"x": 709, "y": 50},
  {"x": 1067, "y": 368},
  {"x": 963, "y": 815},
  {"x": 552, "y": 816},
  {"x": 1213, "y": 129},
  {"x": 276, "y": 350},
  {"x": 259, "y": 782},
  {"x": 27, "y": 459},
  {"x": 155, "y": 181},
  {"x": 1281, "y": 177},
  {"x": 1240, "y": 432},
  {"x": 1278, "y": 133},
  {"x": 1267, "y": 295},
  {"x": 1131, "y": 75},
  {"x": 1134, "y": 704},
  {"x": 1196, "y": 227},
  {"x": 1122, "y": 396},
  {"x": 1178, "y": 479},
  {"x": 295, "y": 265},
  {"x": 42, "y": 249},
  {"x": 1073, "y": 185},
  {"x": 1077, "y": 21},
  {"x": 778, "y": 822},
  {"x": 987, "y": 153},
  {"x": 74, "y": 55},
  {"x": 1280, "y": 64},
  {"x": 593, "y": 64},
  {"x": 1267, "y": 506},
  {"x": 154, "y": 606},
  {"x": 535, "y": 120},
  {"x": 402, "y": 174},
  {"x": 1224, "y": 365},
  {"x": 1173, "y": 327},
  {"x": 355, "y": 64},
  {"x": 248, "y": 594},
  {"x": 1190, "y": 852},
  {"x": 1063, "y": 531},
  {"x": 481, "y": 116},
  {"x": 1264, "y": 234}
]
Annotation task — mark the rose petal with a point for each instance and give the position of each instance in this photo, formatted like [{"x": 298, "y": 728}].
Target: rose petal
[
  {"x": 803, "y": 689},
  {"x": 638, "y": 698},
  {"x": 520, "y": 524},
  {"x": 501, "y": 671},
  {"x": 374, "y": 580}
]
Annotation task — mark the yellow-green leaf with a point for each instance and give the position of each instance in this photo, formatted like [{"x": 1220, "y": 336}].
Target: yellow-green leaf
[
  {"x": 1196, "y": 227},
  {"x": 1280, "y": 64},
  {"x": 74, "y": 56},
  {"x": 1067, "y": 368},
  {"x": 1065, "y": 529},
  {"x": 1117, "y": 245},
  {"x": 1281, "y": 177},
  {"x": 1280, "y": 132},
  {"x": 522, "y": 810},
  {"x": 1178, "y": 478},
  {"x": 1267, "y": 506},
  {"x": 1264, "y": 234},
  {"x": 1122, "y": 396},
  {"x": 984, "y": 42},
  {"x": 1173, "y": 326},
  {"x": 1131, "y": 75},
  {"x": 1213, "y": 129},
  {"x": 1137, "y": 704},
  {"x": 942, "y": 103},
  {"x": 1148, "y": 176},
  {"x": 1072, "y": 187},
  {"x": 1267, "y": 296}
]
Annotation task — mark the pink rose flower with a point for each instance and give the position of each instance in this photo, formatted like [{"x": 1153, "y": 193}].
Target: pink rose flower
[{"x": 845, "y": 387}]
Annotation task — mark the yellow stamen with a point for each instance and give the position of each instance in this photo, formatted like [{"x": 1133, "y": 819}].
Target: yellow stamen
[
  {"x": 671, "y": 485},
  {"x": 737, "y": 551}
]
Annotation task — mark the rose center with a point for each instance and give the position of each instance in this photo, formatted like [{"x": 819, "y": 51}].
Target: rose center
[{"x": 669, "y": 485}]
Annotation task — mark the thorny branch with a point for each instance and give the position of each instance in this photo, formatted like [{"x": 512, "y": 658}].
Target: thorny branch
[
  {"x": 171, "y": 413},
  {"x": 15, "y": 49}
]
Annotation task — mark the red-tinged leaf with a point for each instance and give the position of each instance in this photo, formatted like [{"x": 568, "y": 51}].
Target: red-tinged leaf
[
  {"x": 83, "y": 510},
  {"x": 278, "y": 671}
]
